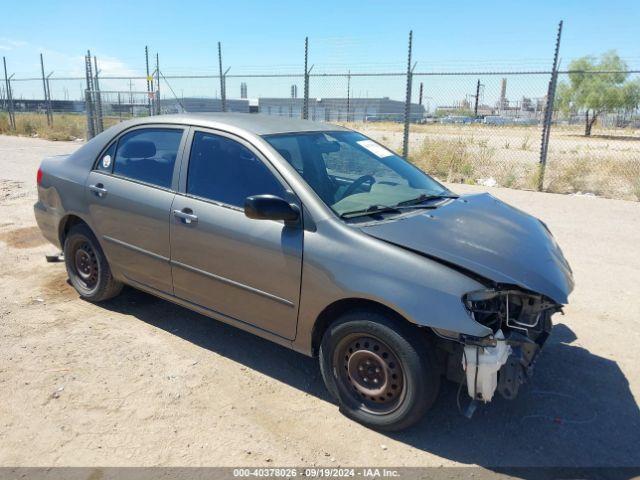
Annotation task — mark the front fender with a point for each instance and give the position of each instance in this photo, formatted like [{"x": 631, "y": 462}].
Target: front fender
[{"x": 345, "y": 264}]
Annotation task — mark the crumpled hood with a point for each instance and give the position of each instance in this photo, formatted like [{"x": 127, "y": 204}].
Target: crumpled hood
[{"x": 488, "y": 237}]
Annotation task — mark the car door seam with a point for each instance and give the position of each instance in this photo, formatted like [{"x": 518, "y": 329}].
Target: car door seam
[
  {"x": 228, "y": 281},
  {"x": 135, "y": 248}
]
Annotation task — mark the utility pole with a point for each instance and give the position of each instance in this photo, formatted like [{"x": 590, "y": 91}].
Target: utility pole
[
  {"x": 7, "y": 82},
  {"x": 420, "y": 95},
  {"x": 475, "y": 107},
  {"x": 548, "y": 111},
  {"x": 149, "y": 86}
]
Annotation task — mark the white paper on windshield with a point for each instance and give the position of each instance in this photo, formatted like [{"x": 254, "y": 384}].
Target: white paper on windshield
[{"x": 373, "y": 147}]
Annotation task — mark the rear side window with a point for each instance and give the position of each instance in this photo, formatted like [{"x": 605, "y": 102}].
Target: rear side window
[
  {"x": 147, "y": 155},
  {"x": 223, "y": 170}
]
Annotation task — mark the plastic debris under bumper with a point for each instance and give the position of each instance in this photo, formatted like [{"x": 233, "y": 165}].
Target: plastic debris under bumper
[
  {"x": 481, "y": 366},
  {"x": 503, "y": 367}
]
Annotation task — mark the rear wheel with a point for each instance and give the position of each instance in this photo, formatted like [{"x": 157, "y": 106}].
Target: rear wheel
[
  {"x": 382, "y": 373},
  {"x": 87, "y": 266}
]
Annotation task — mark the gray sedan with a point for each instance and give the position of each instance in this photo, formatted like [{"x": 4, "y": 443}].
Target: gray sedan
[{"x": 317, "y": 238}]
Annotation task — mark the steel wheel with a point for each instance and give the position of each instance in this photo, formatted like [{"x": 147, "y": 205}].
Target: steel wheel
[
  {"x": 370, "y": 372},
  {"x": 86, "y": 265}
]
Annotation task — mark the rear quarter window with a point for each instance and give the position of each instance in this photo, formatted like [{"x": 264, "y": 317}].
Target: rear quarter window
[{"x": 105, "y": 162}]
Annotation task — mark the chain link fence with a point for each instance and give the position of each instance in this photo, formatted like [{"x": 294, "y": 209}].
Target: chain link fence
[
  {"x": 604, "y": 162},
  {"x": 468, "y": 127}
]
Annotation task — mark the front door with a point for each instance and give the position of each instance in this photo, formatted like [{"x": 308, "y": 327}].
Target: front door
[
  {"x": 129, "y": 194},
  {"x": 245, "y": 269}
]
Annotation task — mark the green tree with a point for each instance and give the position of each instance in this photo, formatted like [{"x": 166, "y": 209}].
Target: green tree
[{"x": 606, "y": 89}]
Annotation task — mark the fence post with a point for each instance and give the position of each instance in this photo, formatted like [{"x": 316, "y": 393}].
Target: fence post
[
  {"x": 305, "y": 103},
  {"x": 223, "y": 93},
  {"x": 475, "y": 105},
  {"x": 348, "y": 95},
  {"x": 157, "y": 84},
  {"x": 146, "y": 58},
  {"x": 407, "y": 102},
  {"x": 44, "y": 88},
  {"x": 98, "y": 96},
  {"x": 7, "y": 81},
  {"x": 49, "y": 107},
  {"x": 548, "y": 112},
  {"x": 91, "y": 131}
]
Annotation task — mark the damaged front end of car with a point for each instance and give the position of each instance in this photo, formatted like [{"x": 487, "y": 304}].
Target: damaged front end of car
[
  {"x": 522, "y": 278},
  {"x": 504, "y": 360}
]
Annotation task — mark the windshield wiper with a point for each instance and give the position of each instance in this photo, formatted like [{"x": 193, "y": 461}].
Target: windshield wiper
[
  {"x": 375, "y": 209},
  {"x": 410, "y": 204},
  {"x": 423, "y": 198},
  {"x": 370, "y": 210}
]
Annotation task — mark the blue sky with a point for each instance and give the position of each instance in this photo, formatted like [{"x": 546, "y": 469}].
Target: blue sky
[{"x": 261, "y": 36}]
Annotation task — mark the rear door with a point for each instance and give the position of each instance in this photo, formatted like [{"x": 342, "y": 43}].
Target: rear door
[
  {"x": 130, "y": 192},
  {"x": 245, "y": 269}
]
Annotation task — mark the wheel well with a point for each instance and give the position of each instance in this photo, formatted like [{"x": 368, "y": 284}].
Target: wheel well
[
  {"x": 338, "y": 308},
  {"x": 67, "y": 223}
]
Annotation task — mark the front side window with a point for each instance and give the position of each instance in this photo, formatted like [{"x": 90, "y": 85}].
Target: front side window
[
  {"x": 147, "y": 155},
  {"x": 350, "y": 172},
  {"x": 225, "y": 171}
]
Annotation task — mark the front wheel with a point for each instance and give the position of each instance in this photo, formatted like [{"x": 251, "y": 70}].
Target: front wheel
[
  {"x": 87, "y": 266},
  {"x": 383, "y": 374}
]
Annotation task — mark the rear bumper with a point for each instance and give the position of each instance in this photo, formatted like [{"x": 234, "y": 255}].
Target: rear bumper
[{"x": 48, "y": 222}]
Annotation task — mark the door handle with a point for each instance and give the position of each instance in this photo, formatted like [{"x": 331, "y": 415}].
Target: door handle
[
  {"x": 98, "y": 189},
  {"x": 186, "y": 215}
]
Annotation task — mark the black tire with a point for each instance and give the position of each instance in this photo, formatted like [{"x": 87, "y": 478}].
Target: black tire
[
  {"x": 398, "y": 356},
  {"x": 87, "y": 266}
]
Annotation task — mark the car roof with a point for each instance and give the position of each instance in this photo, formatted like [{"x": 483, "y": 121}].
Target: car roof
[{"x": 251, "y": 122}]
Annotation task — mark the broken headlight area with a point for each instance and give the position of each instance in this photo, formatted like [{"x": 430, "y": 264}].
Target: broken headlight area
[
  {"x": 511, "y": 310},
  {"x": 503, "y": 361}
]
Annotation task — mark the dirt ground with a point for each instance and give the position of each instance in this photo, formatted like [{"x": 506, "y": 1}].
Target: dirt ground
[{"x": 139, "y": 381}]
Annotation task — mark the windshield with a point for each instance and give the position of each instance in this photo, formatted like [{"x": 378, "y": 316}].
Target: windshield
[{"x": 351, "y": 173}]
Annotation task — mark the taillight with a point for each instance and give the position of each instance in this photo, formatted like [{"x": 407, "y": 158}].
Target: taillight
[{"x": 39, "y": 177}]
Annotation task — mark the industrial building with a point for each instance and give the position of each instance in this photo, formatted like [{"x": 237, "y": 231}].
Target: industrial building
[
  {"x": 201, "y": 104},
  {"x": 62, "y": 106},
  {"x": 320, "y": 109},
  {"x": 342, "y": 109}
]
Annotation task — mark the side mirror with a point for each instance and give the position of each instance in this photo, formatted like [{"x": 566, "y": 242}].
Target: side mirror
[{"x": 270, "y": 207}]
